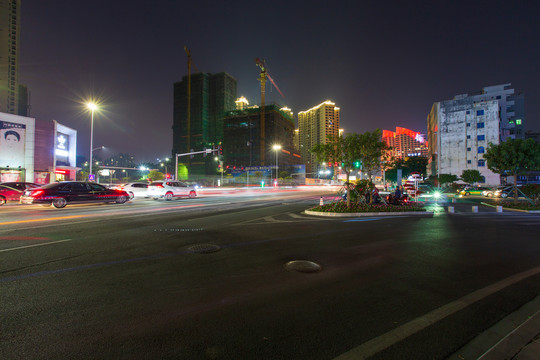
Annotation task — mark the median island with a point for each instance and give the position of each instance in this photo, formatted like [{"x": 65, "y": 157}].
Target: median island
[{"x": 365, "y": 200}]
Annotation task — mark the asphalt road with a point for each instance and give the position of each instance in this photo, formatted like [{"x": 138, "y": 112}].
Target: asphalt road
[{"x": 205, "y": 278}]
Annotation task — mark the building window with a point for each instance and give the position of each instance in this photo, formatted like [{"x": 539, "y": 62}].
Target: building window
[
  {"x": 481, "y": 163},
  {"x": 469, "y": 161},
  {"x": 468, "y": 124},
  {"x": 479, "y": 112},
  {"x": 481, "y": 137},
  {"x": 498, "y": 97},
  {"x": 468, "y": 149},
  {"x": 518, "y": 122},
  {"x": 480, "y": 149},
  {"x": 480, "y": 125},
  {"x": 468, "y": 136},
  {"x": 468, "y": 112}
]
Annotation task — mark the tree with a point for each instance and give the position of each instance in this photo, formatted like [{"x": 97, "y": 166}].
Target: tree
[
  {"x": 471, "y": 176},
  {"x": 156, "y": 175},
  {"x": 365, "y": 148},
  {"x": 408, "y": 166},
  {"x": 447, "y": 178},
  {"x": 513, "y": 157}
]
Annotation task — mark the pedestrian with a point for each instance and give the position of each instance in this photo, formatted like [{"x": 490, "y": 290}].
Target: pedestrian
[{"x": 375, "y": 195}]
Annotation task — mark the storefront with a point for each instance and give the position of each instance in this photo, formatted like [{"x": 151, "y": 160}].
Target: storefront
[{"x": 36, "y": 151}]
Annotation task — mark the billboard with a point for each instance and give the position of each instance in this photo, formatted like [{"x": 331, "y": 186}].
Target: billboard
[
  {"x": 62, "y": 149},
  {"x": 12, "y": 143}
]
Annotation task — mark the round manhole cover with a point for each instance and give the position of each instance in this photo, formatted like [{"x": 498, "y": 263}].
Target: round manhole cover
[
  {"x": 203, "y": 248},
  {"x": 303, "y": 266}
]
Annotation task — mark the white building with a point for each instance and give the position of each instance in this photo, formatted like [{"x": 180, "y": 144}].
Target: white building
[{"x": 459, "y": 132}]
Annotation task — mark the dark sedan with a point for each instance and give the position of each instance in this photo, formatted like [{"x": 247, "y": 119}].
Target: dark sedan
[
  {"x": 12, "y": 191},
  {"x": 72, "y": 192}
]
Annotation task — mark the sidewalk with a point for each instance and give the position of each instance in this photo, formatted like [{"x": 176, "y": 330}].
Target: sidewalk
[{"x": 516, "y": 337}]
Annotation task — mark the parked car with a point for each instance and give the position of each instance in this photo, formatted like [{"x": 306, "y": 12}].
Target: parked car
[
  {"x": 135, "y": 190},
  {"x": 170, "y": 189},
  {"x": 12, "y": 191},
  {"x": 62, "y": 193}
]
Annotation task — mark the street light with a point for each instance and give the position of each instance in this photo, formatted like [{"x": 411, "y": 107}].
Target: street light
[
  {"x": 276, "y": 149},
  {"x": 93, "y": 107}
]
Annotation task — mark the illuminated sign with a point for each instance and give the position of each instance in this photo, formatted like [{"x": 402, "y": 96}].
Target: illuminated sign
[{"x": 62, "y": 145}]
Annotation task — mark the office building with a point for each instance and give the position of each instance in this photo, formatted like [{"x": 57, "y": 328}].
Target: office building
[
  {"x": 211, "y": 96},
  {"x": 314, "y": 125}
]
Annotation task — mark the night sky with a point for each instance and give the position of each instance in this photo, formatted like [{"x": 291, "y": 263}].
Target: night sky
[{"x": 383, "y": 63}]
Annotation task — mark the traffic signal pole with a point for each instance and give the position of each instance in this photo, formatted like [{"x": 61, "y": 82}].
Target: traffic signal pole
[{"x": 205, "y": 151}]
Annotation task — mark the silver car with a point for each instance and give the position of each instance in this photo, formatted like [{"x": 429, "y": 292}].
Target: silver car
[
  {"x": 135, "y": 190},
  {"x": 170, "y": 189}
]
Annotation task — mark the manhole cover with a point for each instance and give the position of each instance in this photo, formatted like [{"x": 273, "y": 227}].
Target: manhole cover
[
  {"x": 303, "y": 266},
  {"x": 203, "y": 248}
]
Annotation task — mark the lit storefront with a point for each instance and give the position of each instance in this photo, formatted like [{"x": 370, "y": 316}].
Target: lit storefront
[{"x": 36, "y": 151}]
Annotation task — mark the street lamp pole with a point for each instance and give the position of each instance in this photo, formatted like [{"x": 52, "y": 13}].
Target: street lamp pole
[
  {"x": 92, "y": 108},
  {"x": 276, "y": 149}
]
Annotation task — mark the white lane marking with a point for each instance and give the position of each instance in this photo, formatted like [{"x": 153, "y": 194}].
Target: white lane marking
[
  {"x": 392, "y": 337},
  {"x": 29, "y": 246}
]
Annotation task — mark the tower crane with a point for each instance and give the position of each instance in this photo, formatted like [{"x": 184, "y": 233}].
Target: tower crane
[{"x": 262, "y": 79}]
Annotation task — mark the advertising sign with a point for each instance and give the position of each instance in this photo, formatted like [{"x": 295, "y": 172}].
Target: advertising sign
[
  {"x": 12, "y": 140},
  {"x": 62, "y": 149}
]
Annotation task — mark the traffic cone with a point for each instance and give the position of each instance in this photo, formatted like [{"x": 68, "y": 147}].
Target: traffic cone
[{"x": 321, "y": 202}]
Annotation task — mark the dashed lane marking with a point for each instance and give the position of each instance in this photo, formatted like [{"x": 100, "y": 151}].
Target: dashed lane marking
[{"x": 29, "y": 246}]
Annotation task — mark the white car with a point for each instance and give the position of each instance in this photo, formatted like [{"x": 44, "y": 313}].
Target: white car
[
  {"x": 170, "y": 189},
  {"x": 135, "y": 190}
]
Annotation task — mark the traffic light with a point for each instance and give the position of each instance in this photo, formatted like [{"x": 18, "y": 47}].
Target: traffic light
[
  {"x": 357, "y": 164},
  {"x": 220, "y": 150}
]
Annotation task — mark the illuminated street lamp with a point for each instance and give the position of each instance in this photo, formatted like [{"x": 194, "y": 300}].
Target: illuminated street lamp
[
  {"x": 92, "y": 107},
  {"x": 276, "y": 149}
]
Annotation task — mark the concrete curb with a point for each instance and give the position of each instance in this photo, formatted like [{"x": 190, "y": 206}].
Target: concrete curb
[
  {"x": 511, "y": 338},
  {"x": 510, "y": 209},
  {"x": 333, "y": 214}
]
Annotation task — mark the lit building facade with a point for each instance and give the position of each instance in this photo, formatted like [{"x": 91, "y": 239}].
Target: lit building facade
[
  {"x": 314, "y": 125},
  {"x": 405, "y": 143}
]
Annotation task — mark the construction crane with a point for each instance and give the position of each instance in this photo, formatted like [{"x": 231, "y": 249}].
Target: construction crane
[{"x": 262, "y": 78}]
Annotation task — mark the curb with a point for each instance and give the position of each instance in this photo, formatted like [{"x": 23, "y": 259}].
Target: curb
[
  {"x": 510, "y": 209},
  {"x": 333, "y": 214}
]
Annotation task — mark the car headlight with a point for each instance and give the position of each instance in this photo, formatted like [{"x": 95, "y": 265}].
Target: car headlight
[{"x": 437, "y": 195}]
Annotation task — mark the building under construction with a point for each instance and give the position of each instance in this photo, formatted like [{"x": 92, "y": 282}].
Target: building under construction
[
  {"x": 211, "y": 96},
  {"x": 242, "y": 138}
]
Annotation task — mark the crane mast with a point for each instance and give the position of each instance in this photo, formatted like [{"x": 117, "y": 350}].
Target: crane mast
[{"x": 262, "y": 79}]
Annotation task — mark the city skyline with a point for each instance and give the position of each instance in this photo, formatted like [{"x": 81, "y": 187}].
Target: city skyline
[{"x": 385, "y": 65}]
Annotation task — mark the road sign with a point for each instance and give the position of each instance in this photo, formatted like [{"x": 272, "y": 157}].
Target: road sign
[{"x": 91, "y": 177}]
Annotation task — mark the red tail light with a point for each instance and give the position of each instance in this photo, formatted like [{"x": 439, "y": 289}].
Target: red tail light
[{"x": 37, "y": 193}]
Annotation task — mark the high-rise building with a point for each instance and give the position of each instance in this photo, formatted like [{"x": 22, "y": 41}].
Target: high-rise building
[
  {"x": 405, "y": 143},
  {"x": 314, "y": 125},
  {"x": 9, "y": 55},
  {"x": 211, "y": 96}
]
